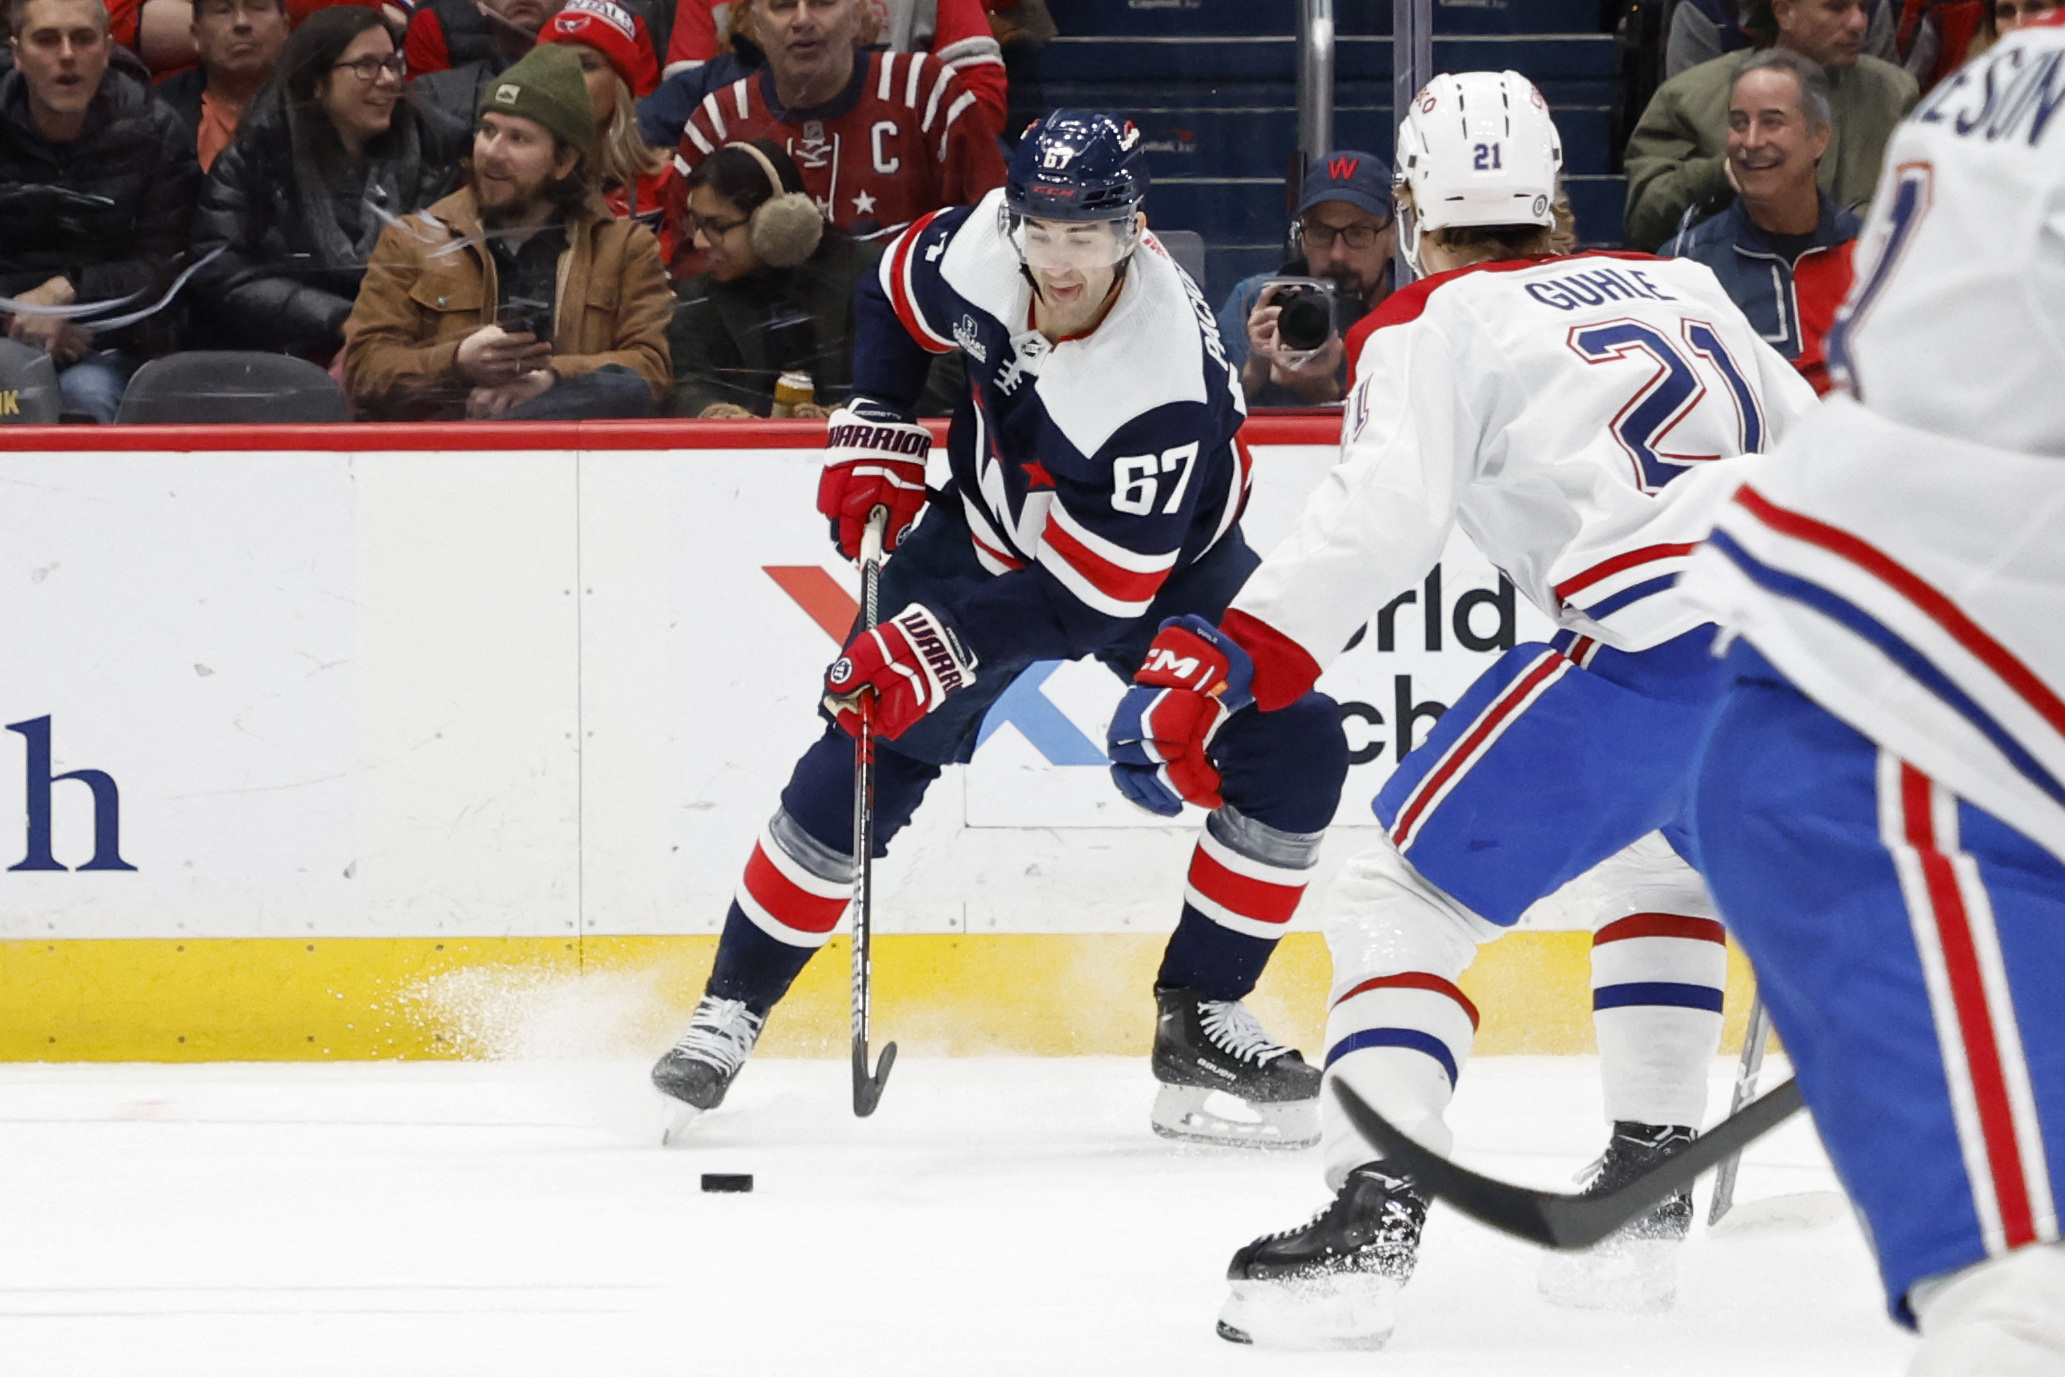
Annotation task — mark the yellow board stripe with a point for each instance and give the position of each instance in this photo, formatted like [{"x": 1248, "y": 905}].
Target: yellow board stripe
[{"x": 268, "y": 999}]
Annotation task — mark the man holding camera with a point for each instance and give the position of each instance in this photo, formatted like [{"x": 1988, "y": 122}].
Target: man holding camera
[{"x": 1284, "y": 330}]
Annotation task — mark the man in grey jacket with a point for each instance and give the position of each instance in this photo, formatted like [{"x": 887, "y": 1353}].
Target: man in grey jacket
[{"x": 1678, "y": 153}]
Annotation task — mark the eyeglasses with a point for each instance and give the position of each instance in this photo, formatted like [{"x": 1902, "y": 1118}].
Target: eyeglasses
[
  {"x": 1358, "y": 237},
  {"x": 715, "y": 228},
  {"x": 368, "y": 69}
]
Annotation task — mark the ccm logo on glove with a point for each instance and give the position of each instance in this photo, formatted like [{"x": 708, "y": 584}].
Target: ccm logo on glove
[
  {"x": 910, "y": 663},
  {"x": 1195, "y": 676}
]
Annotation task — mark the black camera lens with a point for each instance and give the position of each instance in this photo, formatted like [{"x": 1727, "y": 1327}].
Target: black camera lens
[{"x": 1307, "y": 319}]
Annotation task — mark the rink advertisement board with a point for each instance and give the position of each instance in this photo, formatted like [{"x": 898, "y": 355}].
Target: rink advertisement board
[{"x": 502, "y": 682}]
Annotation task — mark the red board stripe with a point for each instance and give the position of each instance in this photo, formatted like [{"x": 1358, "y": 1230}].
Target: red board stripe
[
  {"x": 1414, "y": 980},
  {"x": 787, "y": 902},
  {"x": 515, "y": 437},
  {"x": 1250, "y": 898},
  {"x": 1975, "y": 1020},
  {"x": 1660, "y": 925}
]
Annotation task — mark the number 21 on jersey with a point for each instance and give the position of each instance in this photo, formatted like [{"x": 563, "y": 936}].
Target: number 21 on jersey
[{"x": 1673, "y": 389}]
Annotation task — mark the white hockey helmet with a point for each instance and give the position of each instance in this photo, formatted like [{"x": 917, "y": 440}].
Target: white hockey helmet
[{"x": 1477, "y": 148}]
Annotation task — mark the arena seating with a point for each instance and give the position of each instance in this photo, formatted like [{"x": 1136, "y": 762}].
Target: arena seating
[
  {"x": 231, "y": 387},
  {"x": 1213, "y": 86},
  {"x": 28, "y": 386}
]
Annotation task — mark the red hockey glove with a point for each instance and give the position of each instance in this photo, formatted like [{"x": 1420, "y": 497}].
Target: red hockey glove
[
  {"x": 1194, "y": 678},
  {"x": 873, "y": 457},
  {"x": 910, "y": 662}
]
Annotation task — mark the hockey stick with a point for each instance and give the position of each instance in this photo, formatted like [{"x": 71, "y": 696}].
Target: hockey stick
[
  {"x": 867, "y": 1087},
  {"x": 1746, "y": 1072},
  {"x": 1552, "y": 1219}
]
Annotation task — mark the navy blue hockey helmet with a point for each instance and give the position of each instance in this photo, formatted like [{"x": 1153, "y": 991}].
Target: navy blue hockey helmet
[{"x": 1077, "y": 165}]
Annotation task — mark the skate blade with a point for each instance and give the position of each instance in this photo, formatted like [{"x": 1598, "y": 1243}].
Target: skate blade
[
  {"x": 679, "y": 1117},
  {"x": 1637, "y": 1276},
  {"x": 1316, "y": 1315},
  {"x": 1195, "y": 1114}
]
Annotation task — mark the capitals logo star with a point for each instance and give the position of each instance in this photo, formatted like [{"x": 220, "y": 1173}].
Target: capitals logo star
[
  {"x": 1037, "y": 477},
  {"x": 863, "y": 204}
]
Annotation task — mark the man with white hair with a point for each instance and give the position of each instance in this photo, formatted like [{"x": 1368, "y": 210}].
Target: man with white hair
[{"x": 1576, "y": 416}]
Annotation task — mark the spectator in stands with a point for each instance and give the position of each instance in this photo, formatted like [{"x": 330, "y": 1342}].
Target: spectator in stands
[
  {"x": 1778, "y": 129},
  {"x": 617, "y": 69},
  {"x": 97, "y": 187},
  {"x": 1676, "y": 160},
  {"x": 518, "y": 296},
  {"x": 1938, "y": 36},
  {"x": 1702, "y": 30},
  {"x": 708, "y": 51},
  {"x": 1344, "y": 235},
  {"x": 331, "y": 153},
  {"x": 881, "y": 138},
  {"x": 238, "y": 42},
  {"x": 777, "y": 296}
]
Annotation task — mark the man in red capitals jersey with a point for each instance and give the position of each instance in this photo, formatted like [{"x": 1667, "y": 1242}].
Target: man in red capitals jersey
[
  {"x": 1578, "y": 417},
  {"x": 881, "y": 138},
  {"x": 957, "y": 32}
]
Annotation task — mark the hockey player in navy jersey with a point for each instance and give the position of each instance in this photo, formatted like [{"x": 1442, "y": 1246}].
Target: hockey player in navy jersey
[
  {"x": 1576, "y": 415},
  {"x": 1881, "y": 810},
  {"x": 1097, "y": 488}
]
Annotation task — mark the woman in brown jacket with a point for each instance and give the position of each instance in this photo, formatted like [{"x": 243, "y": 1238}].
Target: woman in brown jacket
[{"x": 519, "y": 296}]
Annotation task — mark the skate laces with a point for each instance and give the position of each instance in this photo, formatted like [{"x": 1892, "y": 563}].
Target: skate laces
[
  {"x": 1237, "y": 1032},
  {"x": 722, "y": 1033}
]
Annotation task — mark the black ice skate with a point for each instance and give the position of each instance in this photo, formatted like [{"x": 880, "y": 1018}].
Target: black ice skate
[
  {"x": 697, "y": 1070},
  {"x": 1635, "y": 1267},
  {"x": 1225, "y": 1081},
  {"x": 1333, "y": 1283}
]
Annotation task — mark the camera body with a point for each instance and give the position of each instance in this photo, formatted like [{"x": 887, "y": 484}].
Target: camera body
[{"x": 1315, "y": 310}]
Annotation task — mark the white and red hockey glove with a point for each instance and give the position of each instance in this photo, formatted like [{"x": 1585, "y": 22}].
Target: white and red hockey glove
[
  {"x": 873, "y": 457},
  {"x": 910, "y": 663},
  {"x": 1195, "y": 676}
]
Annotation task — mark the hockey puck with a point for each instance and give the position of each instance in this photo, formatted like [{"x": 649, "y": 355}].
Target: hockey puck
[{"x": 724, "y": 1182}]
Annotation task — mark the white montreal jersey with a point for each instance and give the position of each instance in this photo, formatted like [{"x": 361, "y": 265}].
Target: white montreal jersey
[
  {"x": 1902, "y": 558},
  {"x": 1572, "y": 415},
  {"x": 1102, "y": 463}
]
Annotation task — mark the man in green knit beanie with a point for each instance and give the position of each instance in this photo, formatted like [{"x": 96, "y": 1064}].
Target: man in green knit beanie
[{"x": 518, "y": 296}]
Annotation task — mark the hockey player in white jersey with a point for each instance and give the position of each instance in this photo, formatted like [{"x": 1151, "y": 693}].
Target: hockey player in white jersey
[
  {"x": 1097, "y": 489},
  {"x": 1575, "y": 415},
  {"x": 1881, "y": 808}
]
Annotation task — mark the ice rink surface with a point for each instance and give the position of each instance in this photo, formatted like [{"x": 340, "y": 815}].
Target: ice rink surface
[{"x": 995, "y": 1216}]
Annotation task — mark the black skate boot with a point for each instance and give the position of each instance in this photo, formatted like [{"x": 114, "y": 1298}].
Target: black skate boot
[
  {"x": 1333, "y": 1283},
  {"x": 697, "y": 1070},
  {"x": 1635, "y": 1267},
  {"x": 1206, "y": 1047}
]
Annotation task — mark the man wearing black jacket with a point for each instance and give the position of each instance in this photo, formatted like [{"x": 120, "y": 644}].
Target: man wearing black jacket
[{"x": 97, "y": 186}]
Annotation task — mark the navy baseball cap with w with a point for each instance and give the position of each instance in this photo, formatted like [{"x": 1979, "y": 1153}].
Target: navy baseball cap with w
[{"x": 1350, "y": 176}]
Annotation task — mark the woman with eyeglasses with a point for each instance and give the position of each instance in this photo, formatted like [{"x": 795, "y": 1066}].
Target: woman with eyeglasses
[
  {"x": 330, "y": 153},
  {"x": 776, "y": 293}
]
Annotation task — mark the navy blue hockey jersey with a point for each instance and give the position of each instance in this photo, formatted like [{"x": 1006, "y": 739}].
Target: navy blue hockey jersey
[{"x": 1088, "y": 470}]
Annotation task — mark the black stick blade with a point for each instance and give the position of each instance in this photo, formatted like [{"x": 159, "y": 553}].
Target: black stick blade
[
  {"x": 1552, "y": 1219},
  {"x": 867, "y": 1090}
]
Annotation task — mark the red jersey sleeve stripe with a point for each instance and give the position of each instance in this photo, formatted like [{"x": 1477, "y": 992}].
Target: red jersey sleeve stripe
[
  {"x": 1620, "y": 563},
  {"x": 897, "y": 272}
]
